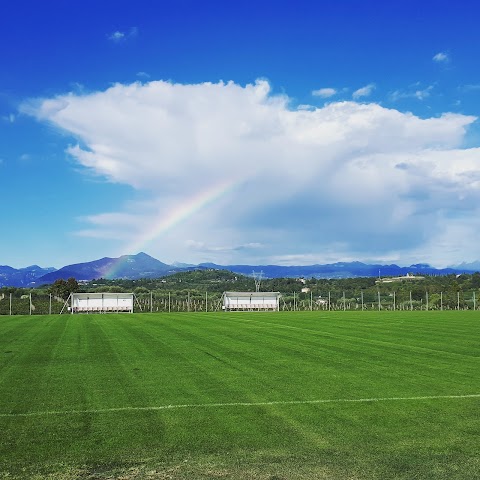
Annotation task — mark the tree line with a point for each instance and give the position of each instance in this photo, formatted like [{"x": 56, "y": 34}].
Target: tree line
[{"x": 198, "y": 287}]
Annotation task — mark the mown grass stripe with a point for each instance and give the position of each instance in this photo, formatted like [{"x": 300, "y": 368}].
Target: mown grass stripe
[{"x": 241, "y": 404}]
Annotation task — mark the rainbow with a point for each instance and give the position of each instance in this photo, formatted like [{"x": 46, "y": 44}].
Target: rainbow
[{"x": 178, "y": 214}]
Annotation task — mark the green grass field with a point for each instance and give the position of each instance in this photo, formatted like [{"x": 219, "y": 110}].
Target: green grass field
[{"x": 302, "y": 395}]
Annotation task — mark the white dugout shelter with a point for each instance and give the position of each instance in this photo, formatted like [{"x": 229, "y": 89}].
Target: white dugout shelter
[
  {"x": 101, "y": 302},
  {"x": 235, "y": 301}
]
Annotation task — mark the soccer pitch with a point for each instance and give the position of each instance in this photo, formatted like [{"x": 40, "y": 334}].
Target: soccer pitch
[{"x": 290, "y": 395}]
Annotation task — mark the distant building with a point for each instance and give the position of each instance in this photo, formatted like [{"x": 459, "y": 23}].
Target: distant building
[{"x": 408, "y": 276}]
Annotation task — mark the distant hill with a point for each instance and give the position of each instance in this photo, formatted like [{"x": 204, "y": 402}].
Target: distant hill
[
  {"x": 127, "y": 267},
  {"x": 336, "y": 270},
  {"x": 21, "y": 277},
  {"x": 473, "y": 266},
  {"x": 141, "y": 265}
]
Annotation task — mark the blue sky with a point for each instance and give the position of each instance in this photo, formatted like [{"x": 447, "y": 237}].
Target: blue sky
[{"x": 240, "y": 132}]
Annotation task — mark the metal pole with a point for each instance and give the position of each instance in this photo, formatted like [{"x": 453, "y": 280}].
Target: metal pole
[
  {"x": 168, "y": 302},
  {"x": 474, "y": 302},
  {"x": 10, "y": 303},
  {"x": 426, "y": 298},
  {"x": 329, "y": 301},
  {"x": 411, "y": 303},
  {"x": 378, "y": 300},
  {"x": 50, "y": 305},
  {"x": 151, "y": 301},
  {"x": 458, "y": 300},
  {"x": 188, "y": 301},
  {"x": 311, "y": 300},
  {"x": 361, "y": 294},
  {"x": 206, "y": 301},
  {"x": 344, "y": 306},
  {"x": 441, "y": 300},
  {"x": 394, "y": 303},
  {"x": 30, "y": 303}
]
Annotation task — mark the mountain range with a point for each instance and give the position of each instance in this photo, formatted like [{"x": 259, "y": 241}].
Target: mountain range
[{"x": 142, "y": 265}]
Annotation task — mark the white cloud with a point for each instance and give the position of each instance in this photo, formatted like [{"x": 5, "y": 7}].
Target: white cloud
[
  {"x": 116, "y": 36},
  {"x": 441, "y": 57},
  {"x": 143, "y": 75},
  {"x": 324, "y": 92},
  {"x": 232, "y": 169},
  {"x": 202, "y": 247},
  {"x": 305, "y": 107},
  {"x": 119, "y": 36},
  {"x": 470, "y": 87},
  {"x": 10, "y": 118},
  {"x": 365, "y": 91},
  {"x": 415, "y": 92}
]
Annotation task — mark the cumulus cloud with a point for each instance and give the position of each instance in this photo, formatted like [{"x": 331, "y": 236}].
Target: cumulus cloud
[
  {"x": 441, "y": 57},
  {"x": 365, "y": 91},
  {"x": 233, "y": 168},
  {"x": 324, "y": 92}
]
